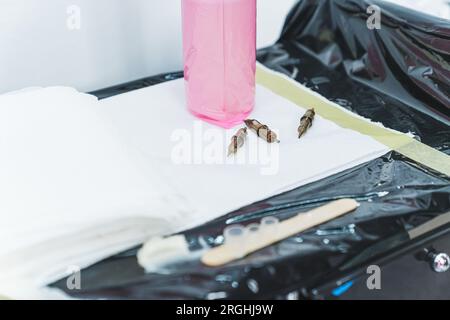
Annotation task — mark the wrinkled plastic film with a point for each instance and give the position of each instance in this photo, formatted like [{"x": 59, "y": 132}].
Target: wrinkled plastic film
[{"x": 219, "y": 40}]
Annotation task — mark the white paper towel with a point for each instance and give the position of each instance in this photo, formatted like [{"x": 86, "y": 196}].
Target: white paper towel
[{"x": 70, "y": 194}]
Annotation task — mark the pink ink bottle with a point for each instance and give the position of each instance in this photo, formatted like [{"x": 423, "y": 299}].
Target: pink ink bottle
[{"x": 219, "y": 42}]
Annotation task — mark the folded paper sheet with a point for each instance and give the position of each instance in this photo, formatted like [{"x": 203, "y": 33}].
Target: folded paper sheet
[{"x": 81, "y": 180}]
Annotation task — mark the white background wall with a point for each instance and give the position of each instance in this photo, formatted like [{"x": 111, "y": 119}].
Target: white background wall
[{"x": 119, "y": 40}]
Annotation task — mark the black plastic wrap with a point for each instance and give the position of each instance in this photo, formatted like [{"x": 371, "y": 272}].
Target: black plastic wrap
[
  {"x": 399, "y": 76},
  {"x": 407, "y": 59}
]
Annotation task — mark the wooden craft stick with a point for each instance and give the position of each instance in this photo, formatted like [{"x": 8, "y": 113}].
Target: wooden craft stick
[
  {"x": 228, "y": 252},
  {"x": 431, "y": 225}
]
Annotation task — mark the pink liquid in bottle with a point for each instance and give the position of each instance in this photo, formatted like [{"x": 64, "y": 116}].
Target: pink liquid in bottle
[{"x": 219, "y": 39}]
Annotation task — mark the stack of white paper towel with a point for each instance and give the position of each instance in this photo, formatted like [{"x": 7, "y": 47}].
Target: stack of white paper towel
[{"x": 70, "y": 192}]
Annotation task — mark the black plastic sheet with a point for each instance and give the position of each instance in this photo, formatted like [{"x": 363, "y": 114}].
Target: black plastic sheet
[
  {"x": 407, "y": 59},
  {"x": 399, "y": 76}
]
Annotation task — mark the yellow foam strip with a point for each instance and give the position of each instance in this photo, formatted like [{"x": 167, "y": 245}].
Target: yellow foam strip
[{"x": 306, "y": 98}]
